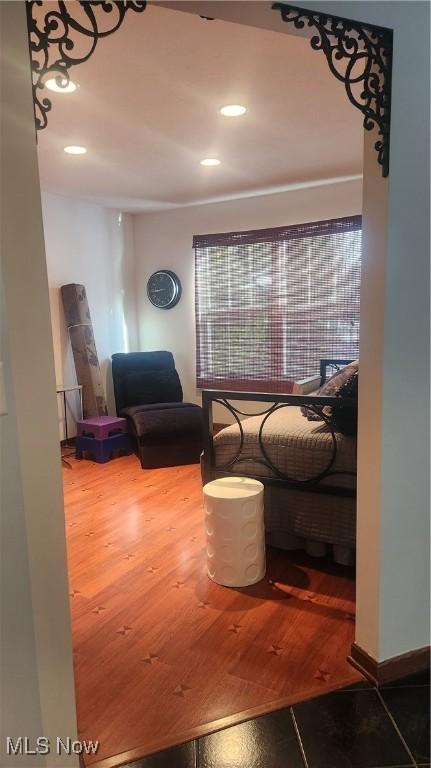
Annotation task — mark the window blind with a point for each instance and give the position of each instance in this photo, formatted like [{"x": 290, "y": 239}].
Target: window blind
[{"x": 271, "y": 303}]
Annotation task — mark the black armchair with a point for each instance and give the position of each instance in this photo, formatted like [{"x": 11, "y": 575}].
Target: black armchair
[{"x": 148, "y": 393}]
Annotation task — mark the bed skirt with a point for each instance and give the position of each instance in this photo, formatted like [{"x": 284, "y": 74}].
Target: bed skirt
[
  {"x": 341, "y": 554},
  {"x": 319, "y": 523}
]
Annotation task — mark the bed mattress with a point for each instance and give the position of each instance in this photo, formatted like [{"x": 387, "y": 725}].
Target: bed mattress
[{"x": 299, "y": 448}]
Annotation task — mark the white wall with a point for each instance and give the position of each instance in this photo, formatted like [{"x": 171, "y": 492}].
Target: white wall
[
  {"x": 37, "y": 696},
  {"x": 394, "y": 517},
  {"x": 165, "y": 240},
  {"x": 91, "y": 245}
]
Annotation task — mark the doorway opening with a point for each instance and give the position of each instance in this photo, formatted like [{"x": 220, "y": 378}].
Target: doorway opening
[{"x": 170, "y": 654}]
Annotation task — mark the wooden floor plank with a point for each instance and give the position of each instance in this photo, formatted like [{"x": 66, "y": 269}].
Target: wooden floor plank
[{"x": 163, "y": 654}]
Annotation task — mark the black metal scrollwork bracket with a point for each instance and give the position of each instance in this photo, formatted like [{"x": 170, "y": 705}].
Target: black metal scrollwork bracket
[
  {"x": 358, "y": 55},
  {"x": 64, "y": 34}
]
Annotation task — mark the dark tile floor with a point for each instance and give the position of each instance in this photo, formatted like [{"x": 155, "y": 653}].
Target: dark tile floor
[{"x": 357, "y": 727}]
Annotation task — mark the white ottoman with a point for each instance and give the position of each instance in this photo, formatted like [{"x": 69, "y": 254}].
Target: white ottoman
[{"x": 235, "y": 531}]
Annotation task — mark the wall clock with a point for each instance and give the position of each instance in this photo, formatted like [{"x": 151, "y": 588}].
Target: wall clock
[{"x": 164, "y": 289}]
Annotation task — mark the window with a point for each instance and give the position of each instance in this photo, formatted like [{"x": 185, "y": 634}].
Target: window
[{"x": 271, "y": 303}]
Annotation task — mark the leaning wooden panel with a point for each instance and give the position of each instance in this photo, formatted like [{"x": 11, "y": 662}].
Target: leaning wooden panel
[{"x": 80, "y": 329}]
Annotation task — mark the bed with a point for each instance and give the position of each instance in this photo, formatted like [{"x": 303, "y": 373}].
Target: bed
[{"x": 308, "y": 468}]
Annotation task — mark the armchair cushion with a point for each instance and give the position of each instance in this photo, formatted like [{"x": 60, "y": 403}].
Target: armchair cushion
[
  {"x": 181, "y": 421},
  {"x": 133, "y": 410},
  {"x": 125, "y": 363},
  {"x": 153, "y": 387}
]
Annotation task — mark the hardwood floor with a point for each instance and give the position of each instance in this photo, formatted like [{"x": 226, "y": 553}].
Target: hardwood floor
[{"x": 162, "y": 654}]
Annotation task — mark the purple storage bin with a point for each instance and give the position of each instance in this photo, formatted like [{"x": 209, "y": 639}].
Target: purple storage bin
[
  {"x": 102, "y": 450},
  {"x": 101, "y": 427}
]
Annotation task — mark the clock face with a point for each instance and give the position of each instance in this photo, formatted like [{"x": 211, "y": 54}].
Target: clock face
[{"x": 164, "y": 289}]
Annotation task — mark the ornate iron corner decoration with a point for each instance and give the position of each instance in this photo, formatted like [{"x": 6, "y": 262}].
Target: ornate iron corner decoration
[
  {"x": 64, "y": 34},
  {"x": 358, "y": 55}
]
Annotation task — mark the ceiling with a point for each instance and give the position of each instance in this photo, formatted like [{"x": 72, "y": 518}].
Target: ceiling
[{"x": 147, "y": 112}]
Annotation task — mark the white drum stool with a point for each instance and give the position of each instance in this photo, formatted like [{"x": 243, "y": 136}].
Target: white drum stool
[{"x": 235, "y": 531}]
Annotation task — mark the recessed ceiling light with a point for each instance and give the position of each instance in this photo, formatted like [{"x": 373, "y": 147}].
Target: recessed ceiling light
[
  {"x": 63, "y": 87},
  {"x": 75, "y": 150},
  {"x": 233, "y": 110},
  {"x": 208, "y": 161}
]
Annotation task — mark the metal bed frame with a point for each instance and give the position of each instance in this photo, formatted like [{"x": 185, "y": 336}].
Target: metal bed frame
[{"x": 315, "y": 403}]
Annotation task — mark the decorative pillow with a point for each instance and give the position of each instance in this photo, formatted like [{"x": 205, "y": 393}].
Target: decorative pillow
[
  {"x": 344, "y": 418},
  {"x": 145, "y": 387},
  {"x": 331, "y": 388}
]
